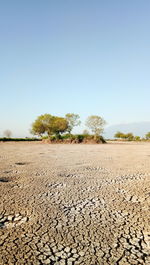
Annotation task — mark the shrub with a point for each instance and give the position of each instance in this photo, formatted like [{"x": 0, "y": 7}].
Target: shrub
[
  {"x": 44, "y": 137},
  {"x": 53, "y": 138},
  {"x": 137, "y": 138},
  {"x": 80, "y": 138},
  {"x": 66, "y": 136}
]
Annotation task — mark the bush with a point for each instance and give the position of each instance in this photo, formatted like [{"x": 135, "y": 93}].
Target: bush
[
  {"x": 53, "y": 138},
  {"x": 66, "y": 136},
  {"x": 137, "y": 138},
  {"x": 80, "y": 138},
  {"x": 44, "y": 137},
  {"x": 76, "y": 138}
]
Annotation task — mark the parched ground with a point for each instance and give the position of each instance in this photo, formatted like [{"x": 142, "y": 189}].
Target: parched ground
[{"x": 74, "y": 204}]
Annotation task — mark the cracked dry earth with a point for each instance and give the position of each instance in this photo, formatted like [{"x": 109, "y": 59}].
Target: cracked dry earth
[{"x": 74, "y": 204}]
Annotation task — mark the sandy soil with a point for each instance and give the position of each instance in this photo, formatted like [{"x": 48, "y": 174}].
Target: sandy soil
[{"x": 74, "y": 204}]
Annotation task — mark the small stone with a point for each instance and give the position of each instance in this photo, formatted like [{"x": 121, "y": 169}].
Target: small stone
[
  {"x": 18, "y": 218},
  {"x": 64, "y": 255},
  {"x": 71, "y": 260},
  {"x": 125, "y": 213},
  {"x": 17, "y": 214},
  {"x": 3, "y": 219},
  {"x": 62, "y": 262},
  {"x": 67, "y": 249},
  {"x": 47, "y": 261},
  {"x": 54, "y": 249},
  {"x": 60, "y": 247},
  {"x": 52, "y": 258},
  {"x": 41, "y": 257},
  {"x": 75, "y": 256},
  {"x": 9, "y": 218},
  {"x": 46, "y": 248},
  {"x": 23, "y": 220},
  {"x": 9, "y": 225},
  {"x": 128, "y": 198},
  {"x": 134, "y": 199},
  {"x": 58, "y": 254},
  {"x": 53, "y": 244},
  {"x": 73, "y": 251},
  {"x": 81, "y": 253}
]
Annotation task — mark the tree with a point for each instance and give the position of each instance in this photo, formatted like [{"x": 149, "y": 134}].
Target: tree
[
  {"x": 7, "y": 133},
  {"x": 127, "y": 136},
  {"x": 50, "y": 125},
  {"x": 73, "y": 120},
  {"x": 119, "y": 135},
  {"x": 137, "y": 138},
  {"x": 147, "y": 136},
  {"x": 59, "y": 125},
  {"x": 41, "y": 124},
  {"x": 96, "y": 124}
]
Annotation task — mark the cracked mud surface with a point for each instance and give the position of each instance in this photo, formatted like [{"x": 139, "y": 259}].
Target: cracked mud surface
[{"x": 74, "y": 204}]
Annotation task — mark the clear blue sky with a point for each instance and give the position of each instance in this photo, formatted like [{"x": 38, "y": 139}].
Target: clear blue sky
[{"x": 82, "y": 56}]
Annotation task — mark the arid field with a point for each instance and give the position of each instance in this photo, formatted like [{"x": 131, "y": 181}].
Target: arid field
[{"x": 74, "y": 204}]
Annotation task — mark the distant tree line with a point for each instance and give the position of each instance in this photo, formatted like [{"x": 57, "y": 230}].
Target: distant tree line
[
  {"x": 130, "y": 136},
  {"x": 55, "y": 128},
  {"x": 27, "y": 139}
]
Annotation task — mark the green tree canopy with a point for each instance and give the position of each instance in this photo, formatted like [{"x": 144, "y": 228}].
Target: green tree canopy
[
  {"x": 137, "y": 138},
  {"x": 59, "y": 125},
  {"x": 127, "y": 136},
  {"x": 95, "y": 124},
  {"x": 73, "y": 120},
  {"x": 119, "y": 135},
  {"x": 50, "y": 125}
]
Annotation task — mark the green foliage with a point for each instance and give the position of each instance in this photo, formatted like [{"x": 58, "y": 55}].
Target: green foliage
[
  {"x": 41, "y": 124},
  {"x": 119, "y": 135},
  {"x": 137, "y": 138},
  {"x": 77, "y": 138},
  {"x": 59, "y": 125},
  {"x": 96, "y": 124},
  {"x": 45, "y": 137},
  {"x": 49, "y": 125},
  {"x": 73, "y": 120},
  {"x": 67, "y": 136},
  {"x": 80, "y": 138},
  {"x": 53, "y": 138},
  {"x": 147, "y": 136},
  {"x": 127, "y": 136}
]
